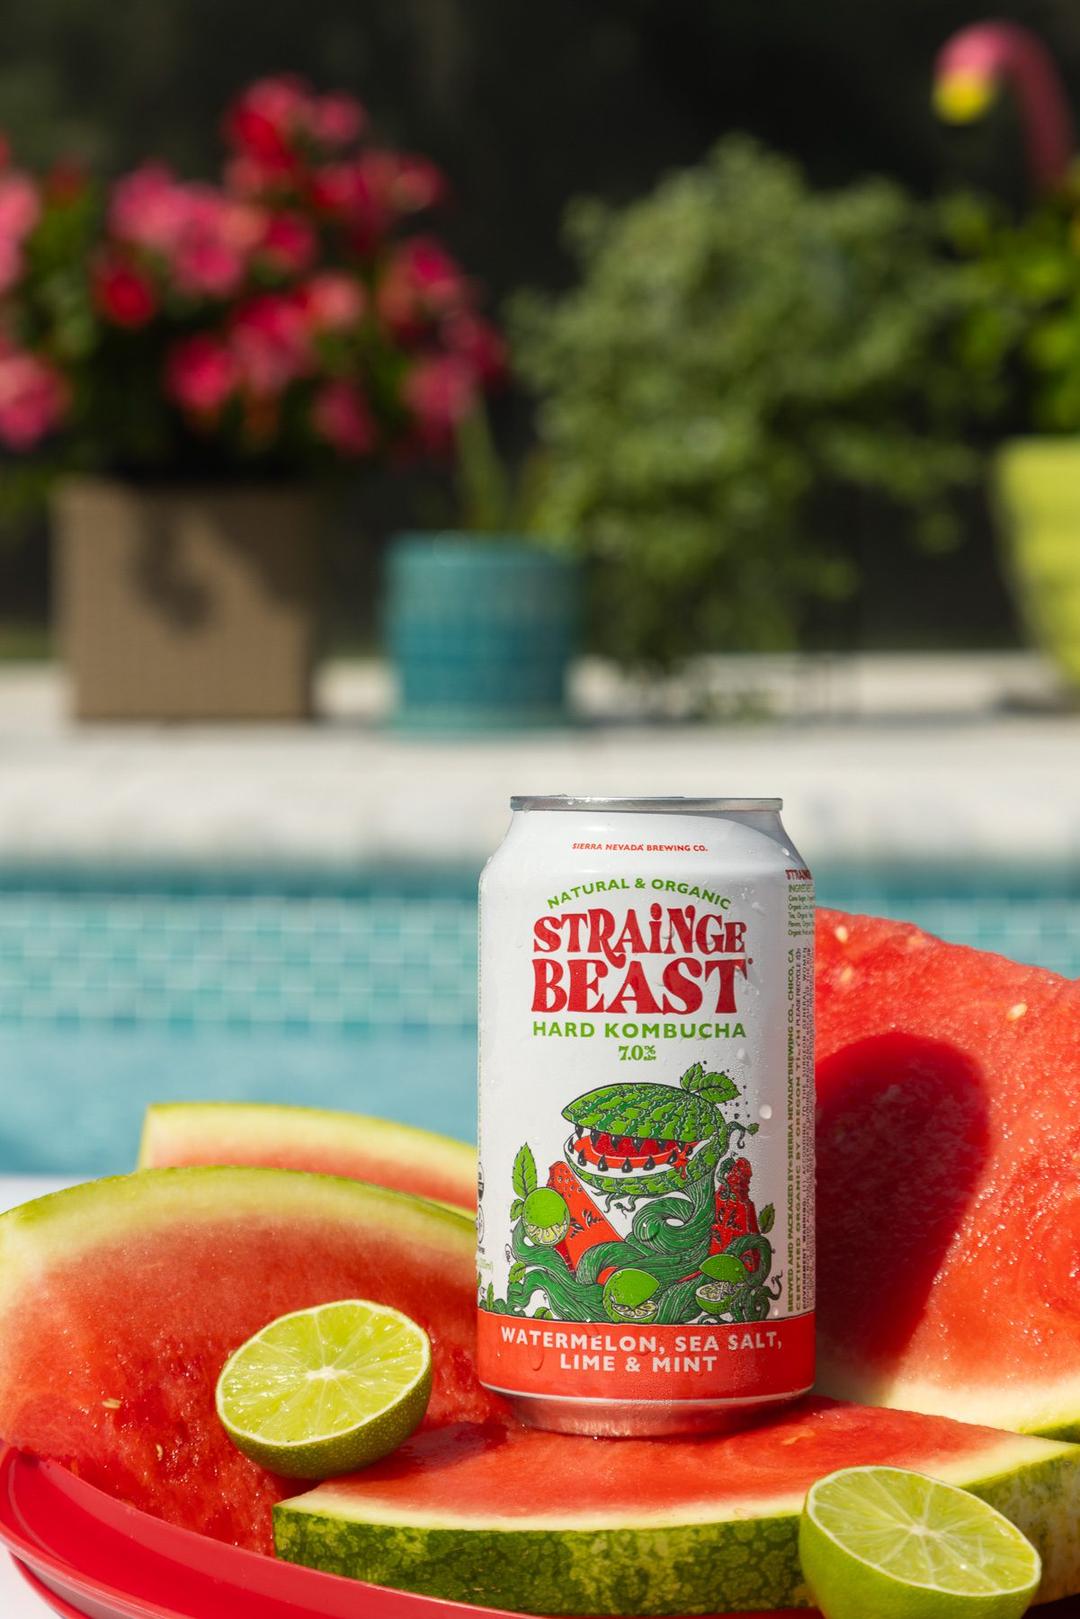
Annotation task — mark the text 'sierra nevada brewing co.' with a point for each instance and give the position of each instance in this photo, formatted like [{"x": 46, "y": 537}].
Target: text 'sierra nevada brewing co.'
[{"x": 646, "y": 1218}]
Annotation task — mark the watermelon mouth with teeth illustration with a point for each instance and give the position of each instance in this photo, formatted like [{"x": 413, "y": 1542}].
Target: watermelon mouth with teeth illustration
[{"x": 639, "y": 1139}]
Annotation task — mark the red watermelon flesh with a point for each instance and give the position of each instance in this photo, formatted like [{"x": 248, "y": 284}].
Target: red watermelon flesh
[
  {"x": 948, "y": 1192},
  {"x": 495, "y": 1467},
  {"x": 120, "y": 1302}
]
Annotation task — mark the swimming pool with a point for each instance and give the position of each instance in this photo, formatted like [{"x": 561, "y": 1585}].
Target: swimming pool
[{"x": 345, "y": 988}]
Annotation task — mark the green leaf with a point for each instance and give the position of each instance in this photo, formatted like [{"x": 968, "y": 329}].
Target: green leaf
[
  {"x": 524, "y": 1172},
  {"x": 767, "y": 1218},
  {"x": 517, "y": 1272},
  {"x": 516, "y": 1208},
  {"x": 691, "y": 1080},
  {"x": 718, "y": 1088},
  {"x": 489, "y": 1297},
  {"x": 544, "y": 1315}
]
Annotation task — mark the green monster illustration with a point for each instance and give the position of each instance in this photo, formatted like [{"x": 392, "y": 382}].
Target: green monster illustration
[
  {"x": 666, "y": 1148},
  {"x": 637, "y": 1140}
]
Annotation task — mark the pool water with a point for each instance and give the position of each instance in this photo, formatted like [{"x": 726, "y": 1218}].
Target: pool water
[{"x": 341, "y": 989}]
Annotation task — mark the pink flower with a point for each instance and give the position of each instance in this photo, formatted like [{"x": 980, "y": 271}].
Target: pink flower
[
  {"x": 402, "y": 183},
  {"x": 205, "y": 266},
  {"x": 343, "y": 192},
  {"x": 217, "y": 238},
  {"x": 337, "y": 119},
  {"x": 341, "y": 415},
  {"x": 270, "y": 343},
  {"x": 205, "y": 237},
  {"x": 265, "y": 121},
  {"x": 123, "y": 294},
  {"x": 248, "y": 178},
  {"x": 33, "y": 398},
  {"x": 290, "y": 243},
  {"x": 201, "y": 375},
  {"x": 149, "y": 208},
  {"x": 478, "y": 343},
  {"x": 20, "y": 210},
  {"x": 421, "y": 282},
  {"x": 333, "y": 301},
  {"x": 440, "y": 391},
  {"x": 20, "y": 206}
]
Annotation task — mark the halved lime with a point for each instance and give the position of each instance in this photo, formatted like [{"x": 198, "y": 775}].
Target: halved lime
[
  {"x": 885, "y": 1542},
  {"x": 326, "y": 1390}
]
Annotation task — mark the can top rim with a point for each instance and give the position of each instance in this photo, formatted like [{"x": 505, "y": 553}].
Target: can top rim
[{"x": 656, "y": 806}]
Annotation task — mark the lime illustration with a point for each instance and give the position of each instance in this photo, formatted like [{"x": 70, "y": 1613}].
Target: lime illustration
[
  {"x": 546, "y": 1217},
  {"x": 724, "y": 1274},
  {"x": 630, "y": 1295}
]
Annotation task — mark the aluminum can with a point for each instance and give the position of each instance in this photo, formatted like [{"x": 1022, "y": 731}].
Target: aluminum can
[{"x": 646, "y": 1114}]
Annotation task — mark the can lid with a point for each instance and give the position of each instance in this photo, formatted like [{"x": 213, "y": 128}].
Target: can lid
[{"x": 650, "y": 806}]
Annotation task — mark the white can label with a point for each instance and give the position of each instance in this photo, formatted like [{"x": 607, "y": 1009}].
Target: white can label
[{"x": 646, "y": 1115}]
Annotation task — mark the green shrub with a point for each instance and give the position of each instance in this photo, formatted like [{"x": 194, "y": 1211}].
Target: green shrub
[
  {"x": 741, "y": 351},
  {"x": 1021, "y": 337}
]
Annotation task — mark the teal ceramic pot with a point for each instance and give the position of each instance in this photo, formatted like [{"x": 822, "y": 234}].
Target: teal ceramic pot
[{"x": 480, "y": 630}]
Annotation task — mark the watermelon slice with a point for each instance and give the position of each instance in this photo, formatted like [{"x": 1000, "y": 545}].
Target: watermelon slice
[
  {"x": 948, "y": 1194},
  {"x": 588, "y": 1227},
  {"x": 120, "y": 1301},
  {"x": 365, "y": 1149},
  {"x": 551, "y": 1524}
]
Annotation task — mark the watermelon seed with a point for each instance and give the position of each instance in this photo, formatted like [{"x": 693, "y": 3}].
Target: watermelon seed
[
  {"x": 626, "y": 1166},
  {"x": 602, "y": 1165},
  {"x": 112, "y": 1405}
]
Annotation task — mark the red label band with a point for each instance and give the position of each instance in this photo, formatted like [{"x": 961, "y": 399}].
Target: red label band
[{"x": 593, "y": 1360}]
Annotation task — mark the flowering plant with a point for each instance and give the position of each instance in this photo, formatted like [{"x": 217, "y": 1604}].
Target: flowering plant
[{"x": 294, "y": 314}]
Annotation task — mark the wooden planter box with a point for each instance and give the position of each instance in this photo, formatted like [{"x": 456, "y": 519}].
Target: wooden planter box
[{"x": 186, "y": 604}]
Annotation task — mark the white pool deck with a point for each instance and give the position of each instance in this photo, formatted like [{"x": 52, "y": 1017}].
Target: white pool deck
[{"x": 877, "y": 757}]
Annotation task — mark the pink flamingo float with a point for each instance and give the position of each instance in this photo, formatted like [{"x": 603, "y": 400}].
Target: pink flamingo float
[{"x": 978, "y": 61}]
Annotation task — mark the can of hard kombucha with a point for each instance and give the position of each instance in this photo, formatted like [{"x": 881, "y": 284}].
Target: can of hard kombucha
[{"x": 646, "y": 1216}]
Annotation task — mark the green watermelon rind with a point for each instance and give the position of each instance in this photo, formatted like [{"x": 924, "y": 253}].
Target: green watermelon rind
[
  {"x": 643, "y": 1109},
  {"x": 631, "y": 1565},
  {"x": 254, "y": 1133},
  {"x": 85, "y": 1218},
  {"x": 1046, "y": 1411}
]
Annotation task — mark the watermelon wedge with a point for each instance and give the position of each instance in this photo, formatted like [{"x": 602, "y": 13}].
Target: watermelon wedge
[
  {"x": 328, "y": 1143},
  {"x": 948, "y": 1194},
  {"x": 551, "y": 1524},
  {"x": 120, "y": 1301}
]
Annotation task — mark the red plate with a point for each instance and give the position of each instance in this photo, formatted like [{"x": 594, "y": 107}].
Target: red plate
[{"x": 92, "y": 1557}]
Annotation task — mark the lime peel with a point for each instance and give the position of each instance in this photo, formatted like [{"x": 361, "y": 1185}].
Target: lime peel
[
  {"x": 326, "y": 1390},
  {"x": 882, "y": 1540}
]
